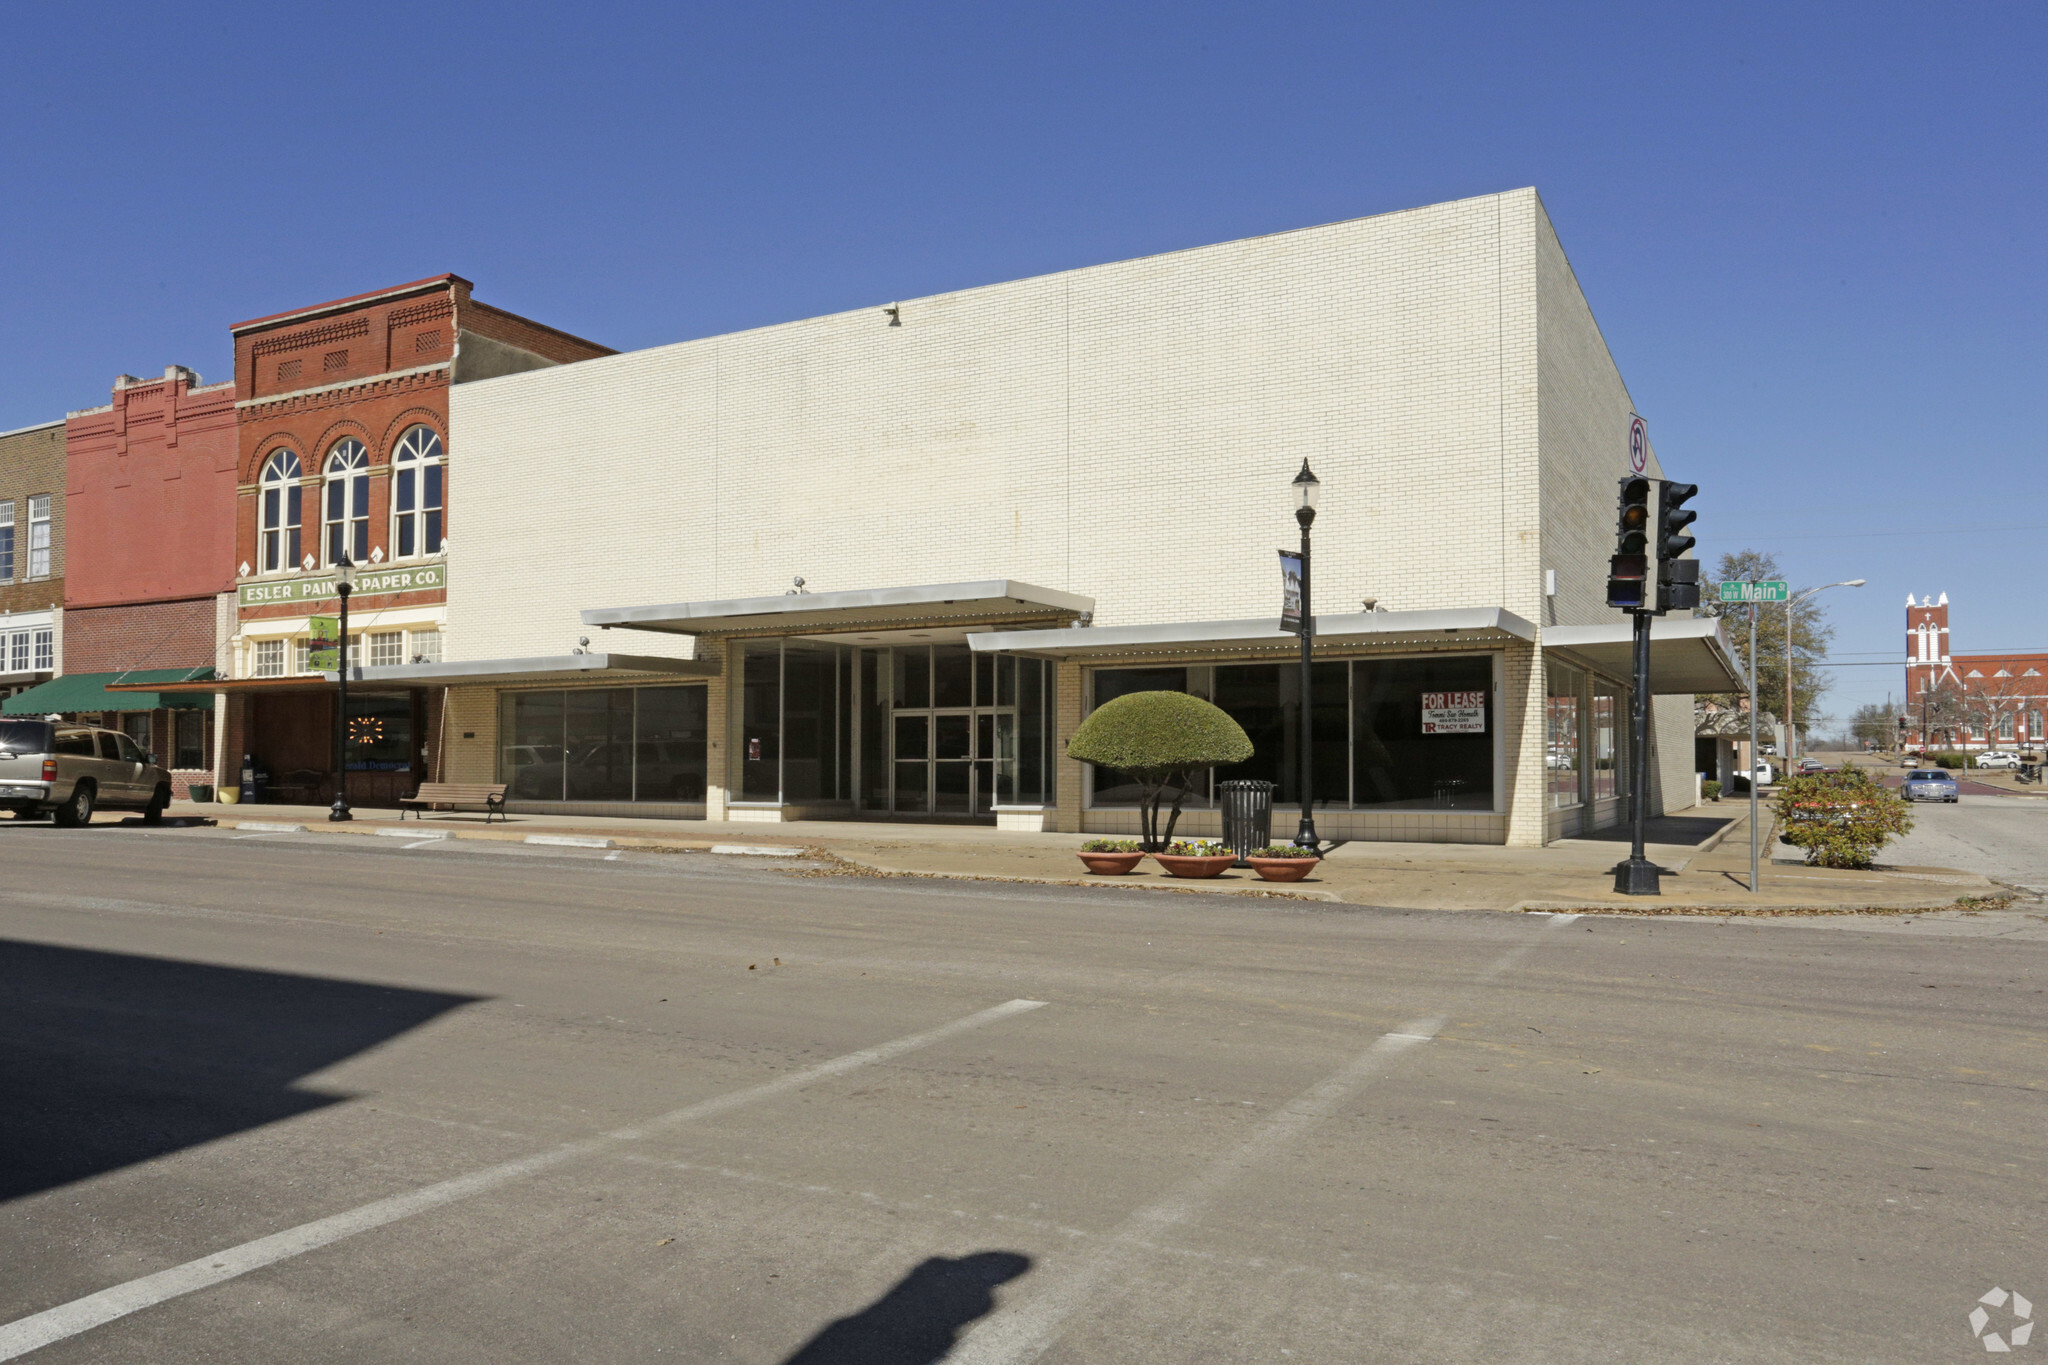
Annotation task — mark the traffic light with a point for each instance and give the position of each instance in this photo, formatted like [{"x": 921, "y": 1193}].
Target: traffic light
[
  {"x": 1678, "y": 578},
  {"x": 1628, "y": 572},
  {"x": 1673, "y": 518}
]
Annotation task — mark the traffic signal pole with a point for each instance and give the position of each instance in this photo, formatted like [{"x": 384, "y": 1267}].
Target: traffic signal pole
[{"x": 1639, "y": 876}]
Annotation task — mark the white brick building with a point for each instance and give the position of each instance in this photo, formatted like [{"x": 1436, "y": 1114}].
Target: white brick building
[{"x": 1102, "y": 453}]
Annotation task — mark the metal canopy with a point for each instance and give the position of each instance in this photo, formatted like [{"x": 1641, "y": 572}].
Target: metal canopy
[
  {"x": 546, "y": 668},
  {"x": 1687, "y": 653},
  {"x": 983, "y": 602},
  {"x": 1474, "y": 625}
]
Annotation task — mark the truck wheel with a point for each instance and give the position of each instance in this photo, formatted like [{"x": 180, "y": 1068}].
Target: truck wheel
[
  {"x": 77, "y": 810},
  {"x": 153, "y": 813}
]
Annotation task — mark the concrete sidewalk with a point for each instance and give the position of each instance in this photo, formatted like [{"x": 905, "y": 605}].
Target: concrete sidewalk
[{"x": 1705, "y": 852}]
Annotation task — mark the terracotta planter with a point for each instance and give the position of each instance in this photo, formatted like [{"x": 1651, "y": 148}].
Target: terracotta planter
[
  {"x": 1112, "y": 864},
  {"x": 1283, "y": 869},
  {"x": 1177, "y": 865}
]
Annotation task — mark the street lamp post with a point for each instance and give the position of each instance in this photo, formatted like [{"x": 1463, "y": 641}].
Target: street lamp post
[
  {"x": 1306, "y": 489},
  {"x": 344, "y": 584},
  {"x": 1791, "y": 722}
]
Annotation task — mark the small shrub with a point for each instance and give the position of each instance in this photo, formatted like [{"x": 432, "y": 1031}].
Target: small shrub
[
  {"x": 1111, "y": 846},
  {"x": 1197, "y": 848},
  {"x": 1711, "y": 790},
  {"x": 1282, "y": 851},
  {"x": 1950, "y": 761},
  {"x": 1160, "y": 739},
  {"x": 1842, "y": 818}
]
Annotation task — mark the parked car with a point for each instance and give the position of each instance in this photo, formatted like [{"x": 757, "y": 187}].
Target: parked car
[
  {"x": 1765, "y": 774},
  {"x": 1812, "y": 765},
  {"x": 1998, "y": 758},
  {"x": 67, "y": 771},
  {"x": 1931, "y": 784}
]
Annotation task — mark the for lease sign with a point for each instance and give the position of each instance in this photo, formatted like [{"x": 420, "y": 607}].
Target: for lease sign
[{"x": 1453, "y": 713}]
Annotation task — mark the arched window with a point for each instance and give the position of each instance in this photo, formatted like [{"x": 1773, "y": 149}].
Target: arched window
[
  {"x": 416, "y": 505},
  {"x": 282, "y": 501},
  {"x": 348, "y": 501}
]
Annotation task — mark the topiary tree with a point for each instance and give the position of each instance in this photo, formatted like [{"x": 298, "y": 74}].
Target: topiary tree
[
  {"x": 1841, "y": 818},
  {"x": 1160, "y": 739}
]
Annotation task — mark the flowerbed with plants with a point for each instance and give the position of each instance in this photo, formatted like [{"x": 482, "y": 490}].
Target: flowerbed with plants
[
  {"x": 1281, "y": 851},
  {"x": 1111, "y": 846}
]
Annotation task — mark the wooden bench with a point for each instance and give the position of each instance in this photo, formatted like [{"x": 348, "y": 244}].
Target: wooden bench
[{"x": 487, "y": 797}]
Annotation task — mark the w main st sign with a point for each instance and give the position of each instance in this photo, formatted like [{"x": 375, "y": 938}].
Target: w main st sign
[{"x": 417, "y": 578}]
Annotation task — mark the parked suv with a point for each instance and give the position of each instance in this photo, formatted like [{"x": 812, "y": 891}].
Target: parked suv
[
  {"x": 68, "y": 771},
  {"x": 1997, "y": 758}
]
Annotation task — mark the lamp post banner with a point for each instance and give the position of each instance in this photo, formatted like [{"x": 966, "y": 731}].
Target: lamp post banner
[
  {"x": 416, "y": 578},
  {"x": 323, "y": 654},
  {"x": 1290, "y": 591}
]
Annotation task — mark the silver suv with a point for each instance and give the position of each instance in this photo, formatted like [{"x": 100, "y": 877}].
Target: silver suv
[{"x": 67, "y": 771}]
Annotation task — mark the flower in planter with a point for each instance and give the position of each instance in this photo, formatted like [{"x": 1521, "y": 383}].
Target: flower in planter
[
  {"x": 1282, "y": 851},
  {"x": 1111, "y": 846},
  {"x": 1196, "y": 848}
]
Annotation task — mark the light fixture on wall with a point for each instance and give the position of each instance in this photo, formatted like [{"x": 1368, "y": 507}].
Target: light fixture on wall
[{"x": 895, "y": 312}]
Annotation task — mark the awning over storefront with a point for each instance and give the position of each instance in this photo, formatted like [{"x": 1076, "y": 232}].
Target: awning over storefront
[
  {"x": 1463, "y": 625},
  {"x": 986, "y": 602},
  {"x": 542, "y": 668},
  {"x": 1687, "y": 653},
  {"x": 139, "y": 689}
]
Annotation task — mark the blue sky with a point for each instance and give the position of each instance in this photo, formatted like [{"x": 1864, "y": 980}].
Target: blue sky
[{"x": 1812, "y": 234}]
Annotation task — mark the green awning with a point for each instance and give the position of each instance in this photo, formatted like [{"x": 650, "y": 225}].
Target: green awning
[{"x": 76, "y": 692}]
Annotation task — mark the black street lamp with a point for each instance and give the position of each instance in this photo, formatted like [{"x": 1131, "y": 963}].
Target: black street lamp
[
  {"x": 344, "y": 584},
  {"x": 1306, "y": 488}
]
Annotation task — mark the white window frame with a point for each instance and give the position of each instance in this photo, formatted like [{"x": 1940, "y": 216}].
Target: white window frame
[
  {"x": 283, "y": 477},
  {"x": 17, "y": 652},
  {"x": 302, "y": 654},
  {"x": 419, "y": 451},
  {"x": 424, "y": 647},
  {"x": 387, "y": 649},
  {"x": 266, "y": 659},
  {"x": 46, "y": 648},
  {"x": 346, "y": 473},
  {"x": 39, "y": 533}
]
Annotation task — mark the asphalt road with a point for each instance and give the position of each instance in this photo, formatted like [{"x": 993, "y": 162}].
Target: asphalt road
[
  {"x": 2003, "y": 837},
  {"x": 317, "y": 1099}
]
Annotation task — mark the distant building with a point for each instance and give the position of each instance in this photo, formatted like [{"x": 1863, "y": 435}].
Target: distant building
[
  {"x": 31, "y": 556},
  {"x": 1968, "y": 701}
]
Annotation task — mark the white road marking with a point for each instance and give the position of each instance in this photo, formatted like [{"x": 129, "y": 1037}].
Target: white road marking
[
  {"x": 1015, "y": 1336},
  {"x": 436, "y": 839},
  {"x": 31, "y": 1333}
]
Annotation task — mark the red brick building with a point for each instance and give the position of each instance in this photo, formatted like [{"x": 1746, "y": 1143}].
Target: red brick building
[
  {"x": 343, "y": 446},
  {"x": 149, "y": 508},
  {"x": 1969, "y": 701}
]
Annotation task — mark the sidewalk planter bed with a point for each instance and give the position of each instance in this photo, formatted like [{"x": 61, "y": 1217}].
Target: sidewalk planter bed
[
  {"x": 1112, "y": 857},
  {"x": 1840, "y": 819},
  {"x": 1195, "y": 858},
  {"x": 1282, "y": 862}
]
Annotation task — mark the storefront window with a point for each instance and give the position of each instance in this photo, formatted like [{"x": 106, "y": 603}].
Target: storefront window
[
  {"x": 1266, "y": 700},
  {"x": 1113, "y": 788},
  {"x": 761, "y": 721},
  {"x": 604, "y": 744},
  {"x": 1610, "y": 740},
  {"x": 1423, "y": 734},
  {"x": 1562, "y": 757},
  {"x": 379, "y": 733},
  {"x": 191, "y": 739}
]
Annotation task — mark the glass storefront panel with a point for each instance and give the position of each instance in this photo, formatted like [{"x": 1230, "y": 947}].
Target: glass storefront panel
[
  {"x": 1113, "y": 788},
  {"x": 1266, "y": 700},
  {"x": 914, "y": 677},
  {"x": 761, "y": 720},
  {"x": 1562, "y": 755},
  {"x": 874, "y": 730},
  {"x": 952, "y": 676},
  {"x": 603, "y": 744},
  {"x": 1609, "y": 727},
  {"x": 379, "y": 733},
  {"x": 1034, "y": 733},
  {"x": 669, "y": 737},
  {"x": 810, "y": 715},
  {"x": 1423, "y": 733},
  {"x": 598, "y": 739}
]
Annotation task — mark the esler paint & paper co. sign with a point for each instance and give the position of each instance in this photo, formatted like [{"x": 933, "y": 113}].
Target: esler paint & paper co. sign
[{"x": 1453, "y": 713}]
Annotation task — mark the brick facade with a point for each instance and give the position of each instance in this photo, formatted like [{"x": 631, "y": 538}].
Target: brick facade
[
  {"x": 2003, "y": 697},
  {"x": 178, "y": 634}
]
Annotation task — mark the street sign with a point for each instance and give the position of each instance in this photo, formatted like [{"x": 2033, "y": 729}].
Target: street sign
[
  {"x": 1638, "y": 444},
  {"x": 1770, "y": 590}
]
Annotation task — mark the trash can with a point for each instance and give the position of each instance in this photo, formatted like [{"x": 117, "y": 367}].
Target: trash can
[
  {"x": 202, "y": 792},
  {"x": 1247, "y": 816}
]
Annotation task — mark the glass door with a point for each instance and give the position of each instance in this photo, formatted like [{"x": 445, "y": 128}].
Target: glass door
[{"x": 945, "y": 732}]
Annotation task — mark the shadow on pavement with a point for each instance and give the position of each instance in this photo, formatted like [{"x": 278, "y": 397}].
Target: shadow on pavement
[
  {"x": 1664, "y": 829},
  {"x": 919, "y": 1320},
  {"x": 110, "y": 1059}
]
